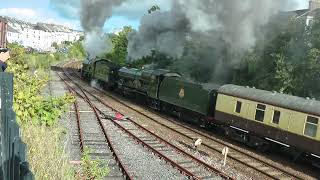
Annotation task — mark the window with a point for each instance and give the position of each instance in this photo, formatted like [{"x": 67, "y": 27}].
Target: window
[
  {"x": 260, "y": 112},
  {"x": 276, "y": 117},
  {"x": 311, "y": 126},
  {"x": 238, "y": 107}
]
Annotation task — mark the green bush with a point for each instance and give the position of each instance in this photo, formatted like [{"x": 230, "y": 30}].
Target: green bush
[
  {"x": 29, "y": 104},
  {"x": 92, "y": 169}
]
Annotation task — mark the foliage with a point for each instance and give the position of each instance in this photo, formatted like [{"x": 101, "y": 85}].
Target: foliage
[
  {"x": 52, "y": 108},
  {"x": 47, "y": 158},
  {"x": 156, "y": 60},
  {"x": 29, "y": 105},
  {"x": 37, "y": 114},
  {"x": 92, "y": 169},
  {"x": 76, "y": 51},
  {"x": 286, "y": 62},
  {"x": 283, "y": 74},
  {"x": 120, "y": 45}
]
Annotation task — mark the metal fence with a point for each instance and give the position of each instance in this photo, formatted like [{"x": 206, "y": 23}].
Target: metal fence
[{"x": 13, "y": 164}]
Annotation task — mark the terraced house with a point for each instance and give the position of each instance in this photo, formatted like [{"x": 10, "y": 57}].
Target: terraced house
[
  {"x": 309, "y": 14},
  {"x": 40, "y": 36}
]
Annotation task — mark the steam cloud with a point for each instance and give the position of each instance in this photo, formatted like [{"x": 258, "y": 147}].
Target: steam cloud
[
  {"x": 223, "y": 30},
  {"x": 93, "y": 15},
  {"x": 220, "y": 31}
]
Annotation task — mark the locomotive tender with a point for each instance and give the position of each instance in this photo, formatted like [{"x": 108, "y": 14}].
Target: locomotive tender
[{"x": 256, "y": 117}]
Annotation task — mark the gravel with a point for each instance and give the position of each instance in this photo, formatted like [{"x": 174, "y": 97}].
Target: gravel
[
  {"x": 170, "y": 152},
  {"x": 140, "y": 162}
]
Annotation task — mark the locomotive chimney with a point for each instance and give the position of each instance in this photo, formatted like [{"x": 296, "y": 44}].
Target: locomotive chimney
[{"x": 314, "y": 4}]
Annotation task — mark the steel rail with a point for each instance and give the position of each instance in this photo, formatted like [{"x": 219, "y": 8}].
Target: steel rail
[
  {"x": 211, "y": 168},
  {"x": 232, "y": 156},
  {"x": 209, "y": 146},
  {"x": 285, "y": 173},
  {"x": 181, "y": 169},
  {"x": 108, "y": 140},
  {"x": 76, "y": 108}
]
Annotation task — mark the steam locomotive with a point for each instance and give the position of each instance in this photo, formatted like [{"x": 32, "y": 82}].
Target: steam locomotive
[{"x": 255, "y": 117}]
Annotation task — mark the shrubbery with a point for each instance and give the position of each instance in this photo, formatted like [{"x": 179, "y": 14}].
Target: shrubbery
[
  {"x": 29, "y": 105},
  {"x": 37, "y": 114}
]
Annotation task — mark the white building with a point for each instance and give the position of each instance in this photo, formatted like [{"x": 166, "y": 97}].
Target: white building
[
  {"x": 39, "y": 36},
  {"x": 308, "y": 14}
]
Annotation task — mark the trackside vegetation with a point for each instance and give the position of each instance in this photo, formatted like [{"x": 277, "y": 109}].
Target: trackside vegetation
[
  {"x": 38, "y": 114},
  {"x": 92, "y": 169}
]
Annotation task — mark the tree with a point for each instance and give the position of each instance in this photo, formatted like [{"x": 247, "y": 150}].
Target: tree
[
  {"x": 76, "y": 50},
  {"x": 120, "y": 45},
  {"x": 284, "y": 74}
]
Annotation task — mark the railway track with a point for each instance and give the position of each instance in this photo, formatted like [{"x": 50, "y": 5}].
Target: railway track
[
  {"x": 94, "y": 136},
  {"x": 249, "y": 160},
  {"x": 238, "y": 155},
  {"x": 184, "y": 162}
]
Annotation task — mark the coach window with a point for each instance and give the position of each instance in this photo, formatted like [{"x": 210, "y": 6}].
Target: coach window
[
  {"x": 311, "y": 126},
  {"x": 276, "y": 117},
  {"x": 260, "y": 112},
  {"x": 238, "y": 107}
]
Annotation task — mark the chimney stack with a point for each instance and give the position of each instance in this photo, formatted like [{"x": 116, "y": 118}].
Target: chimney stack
[{"x": 314, "y": 4}]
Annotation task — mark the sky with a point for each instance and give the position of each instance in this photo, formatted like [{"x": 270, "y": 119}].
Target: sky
[{"x": 46, "y": 11}]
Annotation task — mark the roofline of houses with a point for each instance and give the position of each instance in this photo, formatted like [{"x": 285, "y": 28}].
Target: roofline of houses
[{"x": 47, "y": 27}]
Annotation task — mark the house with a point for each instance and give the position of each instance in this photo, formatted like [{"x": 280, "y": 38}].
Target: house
[
  {"x": 39, "y": 36},
  {"x": 308, "y": 14}
]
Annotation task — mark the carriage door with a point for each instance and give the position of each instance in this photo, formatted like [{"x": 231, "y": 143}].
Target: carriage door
[{"x": 241, "y": 110}]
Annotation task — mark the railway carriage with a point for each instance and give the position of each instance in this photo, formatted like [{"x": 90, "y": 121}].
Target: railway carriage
[
  {"x": 273, "y": 117},
  {"x": 256, "y": 117}
]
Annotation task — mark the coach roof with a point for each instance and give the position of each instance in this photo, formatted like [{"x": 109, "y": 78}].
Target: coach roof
[{"x": 273, "y": 98}]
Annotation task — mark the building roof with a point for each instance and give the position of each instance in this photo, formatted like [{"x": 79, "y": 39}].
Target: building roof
[
  {"x": 305, "y": 12},
  {"x": 300, "y": 12},
  {"x": 52, "y": 27},
  {"x": 18, "y": 24},
  {"x": 10, "y": 29},
  {"x": 273, "y": 98}
]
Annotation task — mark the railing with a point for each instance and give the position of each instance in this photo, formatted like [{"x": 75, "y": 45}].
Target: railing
[{"x": 13, "y": 164}]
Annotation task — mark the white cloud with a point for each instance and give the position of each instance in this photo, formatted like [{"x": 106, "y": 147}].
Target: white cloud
[
  {"x": 20, "y": 13},
  {"x": 34, "y": 16},
  {"x": 302, "y": 4}
]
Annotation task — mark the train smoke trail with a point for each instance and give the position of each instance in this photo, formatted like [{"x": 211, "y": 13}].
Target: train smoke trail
[
  {"x": 93, "y": 15},
  {"x": 223, "y": 30}
]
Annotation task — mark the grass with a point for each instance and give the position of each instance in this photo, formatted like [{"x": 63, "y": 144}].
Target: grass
[
  {"x": 92, "y": 169},
  {"x": 46, "y": 156}
]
